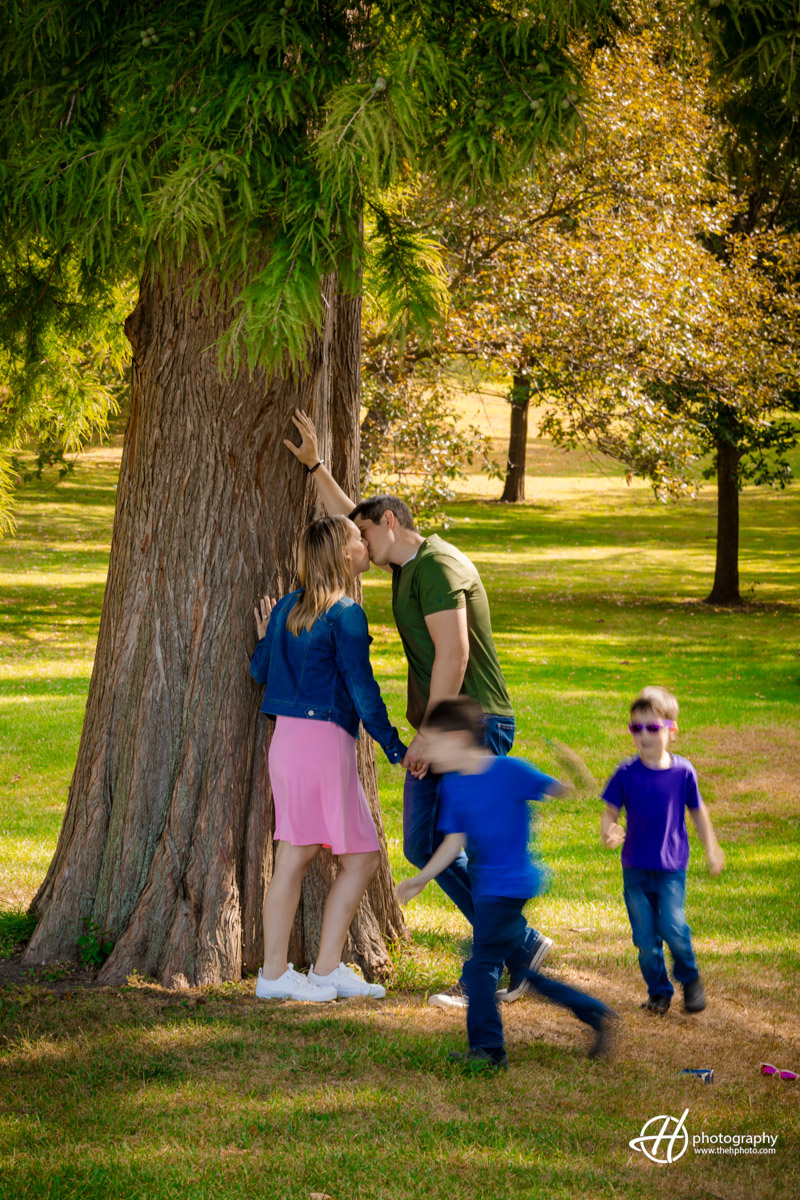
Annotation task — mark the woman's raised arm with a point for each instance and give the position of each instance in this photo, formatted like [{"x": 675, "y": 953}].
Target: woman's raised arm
[{"x": 334, "y": 500}]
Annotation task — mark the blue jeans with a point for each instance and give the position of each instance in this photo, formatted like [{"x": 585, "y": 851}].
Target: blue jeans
[
  {"x": 499, "y": 931},
  {"x": 654, "y": 900},
  {"x": 421, "y": 837}
]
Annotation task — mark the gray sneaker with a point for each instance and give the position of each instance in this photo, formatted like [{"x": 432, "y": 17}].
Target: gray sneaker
[
  {"x": 541, "y": 948},
  {"x": 519, "y": 985}
]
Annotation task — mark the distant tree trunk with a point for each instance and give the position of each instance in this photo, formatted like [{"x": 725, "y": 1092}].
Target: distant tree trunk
[
  {"x": 167, "y": 838},
  {"x": 514, "y": 490},
  {"x": 726, "y": 574}
]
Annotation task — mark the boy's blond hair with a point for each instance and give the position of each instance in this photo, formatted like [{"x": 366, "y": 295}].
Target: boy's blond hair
[{"x": 659, "y": 701}]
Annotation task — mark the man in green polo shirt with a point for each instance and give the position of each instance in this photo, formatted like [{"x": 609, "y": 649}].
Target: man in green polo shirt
[
  {"x": 442, "y": 615},
  {"x": 439, "y": 578}
]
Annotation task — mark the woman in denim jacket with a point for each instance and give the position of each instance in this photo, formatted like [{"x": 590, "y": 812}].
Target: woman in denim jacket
[{"x": 313, "y": 656}]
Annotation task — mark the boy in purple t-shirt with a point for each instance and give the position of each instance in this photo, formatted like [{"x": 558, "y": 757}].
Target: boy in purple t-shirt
[{"x": 654, "y": 789}]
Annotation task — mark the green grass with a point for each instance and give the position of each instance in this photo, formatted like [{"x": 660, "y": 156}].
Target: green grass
[{"x": 595, "y": 591}]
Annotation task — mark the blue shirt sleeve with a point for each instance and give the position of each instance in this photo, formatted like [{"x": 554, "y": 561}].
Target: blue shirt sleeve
[
  {"x": 613, "y": 791},
  {"x": 449, "y": 819},
  {"x": 351, "y": 641},
  {"x": 531, "y": 782},
  {"x": 693, "y": 797}
]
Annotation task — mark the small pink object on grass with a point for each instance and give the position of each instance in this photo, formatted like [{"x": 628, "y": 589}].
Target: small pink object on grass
[{"x": 768, "y": 1069}]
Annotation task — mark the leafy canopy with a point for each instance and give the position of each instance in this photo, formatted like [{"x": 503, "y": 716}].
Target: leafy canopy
[
  {"x": 244, "y": 139},
  {"x": 649, "y": 318}
]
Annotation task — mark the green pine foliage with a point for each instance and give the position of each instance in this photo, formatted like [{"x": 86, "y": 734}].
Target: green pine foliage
[
  {"x": 62, "y": 353},
  {"x": 242, "y": 143}
]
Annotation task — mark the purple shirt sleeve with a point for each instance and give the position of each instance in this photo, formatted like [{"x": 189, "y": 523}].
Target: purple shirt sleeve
[{"x": 693, "y": 797}]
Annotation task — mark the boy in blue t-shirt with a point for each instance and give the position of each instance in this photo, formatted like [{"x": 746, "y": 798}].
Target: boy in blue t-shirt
[
  {"x": 484, "y": 807},
  {"x": 655, "y": 788}
]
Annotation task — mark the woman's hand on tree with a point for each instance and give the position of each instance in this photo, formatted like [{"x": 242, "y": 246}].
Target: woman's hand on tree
[
  {"x": 262, "y": 613},
  {"x": 308, "y": 450}
]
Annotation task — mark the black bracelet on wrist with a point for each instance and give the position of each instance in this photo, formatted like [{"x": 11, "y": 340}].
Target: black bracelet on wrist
[{"x": 311, "y": 470}]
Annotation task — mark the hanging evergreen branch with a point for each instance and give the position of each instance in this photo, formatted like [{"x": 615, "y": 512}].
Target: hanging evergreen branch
[{"x": 244, "y": 140}]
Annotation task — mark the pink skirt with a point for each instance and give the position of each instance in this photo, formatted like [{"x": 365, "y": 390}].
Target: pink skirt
[{"x": 315, "y": 787}]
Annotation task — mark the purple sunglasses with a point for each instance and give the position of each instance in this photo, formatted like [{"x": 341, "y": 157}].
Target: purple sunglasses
[
  {"x": 768, "y": 1069},
  {"x": 650, "y": 726}
]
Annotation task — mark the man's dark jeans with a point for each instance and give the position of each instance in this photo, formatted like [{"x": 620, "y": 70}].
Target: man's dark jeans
[
  {"x": 498, "y": 932},
  {"x": 655, "y": 900},
  {"x": 421, "y": 837}
]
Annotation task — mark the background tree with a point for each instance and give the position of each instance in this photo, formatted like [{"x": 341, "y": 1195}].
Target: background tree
[
  {"x": 62, "y": 357},
  {"x": 223, "y": 156},
  {"x": 625, "y": 292}
]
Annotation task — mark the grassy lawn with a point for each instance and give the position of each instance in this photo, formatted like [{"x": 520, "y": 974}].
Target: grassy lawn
[{"x": 137, "y": 1092}]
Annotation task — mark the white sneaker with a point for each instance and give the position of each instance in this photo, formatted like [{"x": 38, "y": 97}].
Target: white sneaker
[
  {"x": 291, "y": 985},
  {"x": 454, "y": 997},
  {"x": 346, "y": 983}
]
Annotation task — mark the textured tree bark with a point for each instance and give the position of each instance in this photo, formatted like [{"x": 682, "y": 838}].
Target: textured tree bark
[
  {"x": 167, "y": 838},
  {"x": 726, "y": 572},
  {"x": 514, "y": 490}
]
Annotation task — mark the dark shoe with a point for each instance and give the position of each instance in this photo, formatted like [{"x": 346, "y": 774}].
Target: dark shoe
[
  {"x": 605, "y": 1036},
  {"x": 694, "y": 996},
  {"x": 518, "y": 985},
  {"x": 657, "y": 1004},
  {"x": 541, "y": 948},
  {"x": 480, "y": 1059},
  {"x": 454, "y": 997}
]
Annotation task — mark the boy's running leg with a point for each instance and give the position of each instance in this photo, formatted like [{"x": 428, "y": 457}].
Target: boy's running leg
[
  {"x": 672, "y": 927},
  {"x": 676, "y": 933},
  {"x": 499, "y": 925},
  {"x": 588, "y": 1009},
  {"x": 532, "y": 950},
  {"x": 641, "y": 892},
  {"x": 585, "y": 1007}
]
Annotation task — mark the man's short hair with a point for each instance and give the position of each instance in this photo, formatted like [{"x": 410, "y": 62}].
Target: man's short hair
[
  {"x": 374, "y": 508},
  {"x": 461, "y": 714},
  {"x": 659, "y": 701}
]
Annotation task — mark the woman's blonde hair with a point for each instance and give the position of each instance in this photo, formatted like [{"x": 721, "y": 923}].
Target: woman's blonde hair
[{"x": 324, "y": 572}]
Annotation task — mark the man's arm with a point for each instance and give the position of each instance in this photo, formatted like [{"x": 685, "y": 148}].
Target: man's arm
[
  {"x": 450, "y": 637},
  {"x": 334, "y": 500},
  {"x": 715, "y": 856},
  {"x": 448, "y": 630}
]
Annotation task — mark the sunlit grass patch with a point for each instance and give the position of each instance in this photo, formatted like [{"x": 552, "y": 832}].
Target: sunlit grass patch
[{"x": 144, "y": 1094}]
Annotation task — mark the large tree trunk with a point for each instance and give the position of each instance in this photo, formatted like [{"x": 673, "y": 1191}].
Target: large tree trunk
[
  {"x": 167, "y": 838},
  {"x": 726, "y": 574},
  {"x": 514, "y": 490}
]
